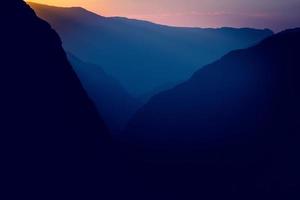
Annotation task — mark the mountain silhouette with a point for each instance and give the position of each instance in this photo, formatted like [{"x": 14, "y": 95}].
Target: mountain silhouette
[
  {"x": 51, "y": 133},
  {"x": 143, "y": 56},
  {"x": 237, "y": 118},
  {"x": 111, "y": 99}
]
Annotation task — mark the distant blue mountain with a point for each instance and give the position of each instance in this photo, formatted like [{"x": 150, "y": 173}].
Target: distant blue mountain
[
  {"x": 143, "y": 56},
  {"x": 112, "y": 100}
]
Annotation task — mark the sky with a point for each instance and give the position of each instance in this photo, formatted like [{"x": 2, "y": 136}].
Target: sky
[{"x": 274, "y": 14}]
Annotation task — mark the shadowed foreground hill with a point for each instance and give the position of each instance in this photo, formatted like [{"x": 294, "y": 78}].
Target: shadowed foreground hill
[
  {"x": 143, "y": 56},
  {"x": 50, "y": 130},
  {"x": 239, "y": 117},
  {"x": 111, "y": 99}
]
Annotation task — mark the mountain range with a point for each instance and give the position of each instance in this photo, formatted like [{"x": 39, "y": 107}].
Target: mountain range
[
  {"x": 144, "y": 57},
  {"x": 230, "y": 131}
]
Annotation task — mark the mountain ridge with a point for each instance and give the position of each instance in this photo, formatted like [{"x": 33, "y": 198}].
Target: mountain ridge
[{"x": 34, "y": 4}]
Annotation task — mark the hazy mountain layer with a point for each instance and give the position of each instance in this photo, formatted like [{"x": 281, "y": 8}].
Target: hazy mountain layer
[
  {"x": 111, "y": 99},
  {"x": 143, "y": 56}
]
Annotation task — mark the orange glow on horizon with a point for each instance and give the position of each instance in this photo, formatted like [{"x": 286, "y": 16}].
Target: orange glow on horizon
[{"x": 96, "y": 6}]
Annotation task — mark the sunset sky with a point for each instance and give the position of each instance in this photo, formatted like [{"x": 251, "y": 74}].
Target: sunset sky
[{"x": 274, "y": 14}]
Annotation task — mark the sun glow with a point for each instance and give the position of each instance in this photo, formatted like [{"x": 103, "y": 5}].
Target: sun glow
[{"x": 93, "y": 5}]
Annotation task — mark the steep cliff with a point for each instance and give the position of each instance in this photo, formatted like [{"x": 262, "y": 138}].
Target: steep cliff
[{"x": 49, "y": 125}]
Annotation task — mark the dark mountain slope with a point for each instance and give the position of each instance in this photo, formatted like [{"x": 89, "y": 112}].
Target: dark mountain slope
[
  {"x": 243, "y": 86},
  {"x": 50, "y": 130},
  {"x": 239, "y": 117},
  {"x": 143, "y": 56},
  {"x": 111, "y": 99}
]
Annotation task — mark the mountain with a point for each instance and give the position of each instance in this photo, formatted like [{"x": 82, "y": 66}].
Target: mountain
[
  {"x": 143, "y": 56},
  {"x": 50, "y": 130},
  {"x": 237, "y": 118},
  {"x": 242, "y": 86},
  {"x": 111, "y": 99}
]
